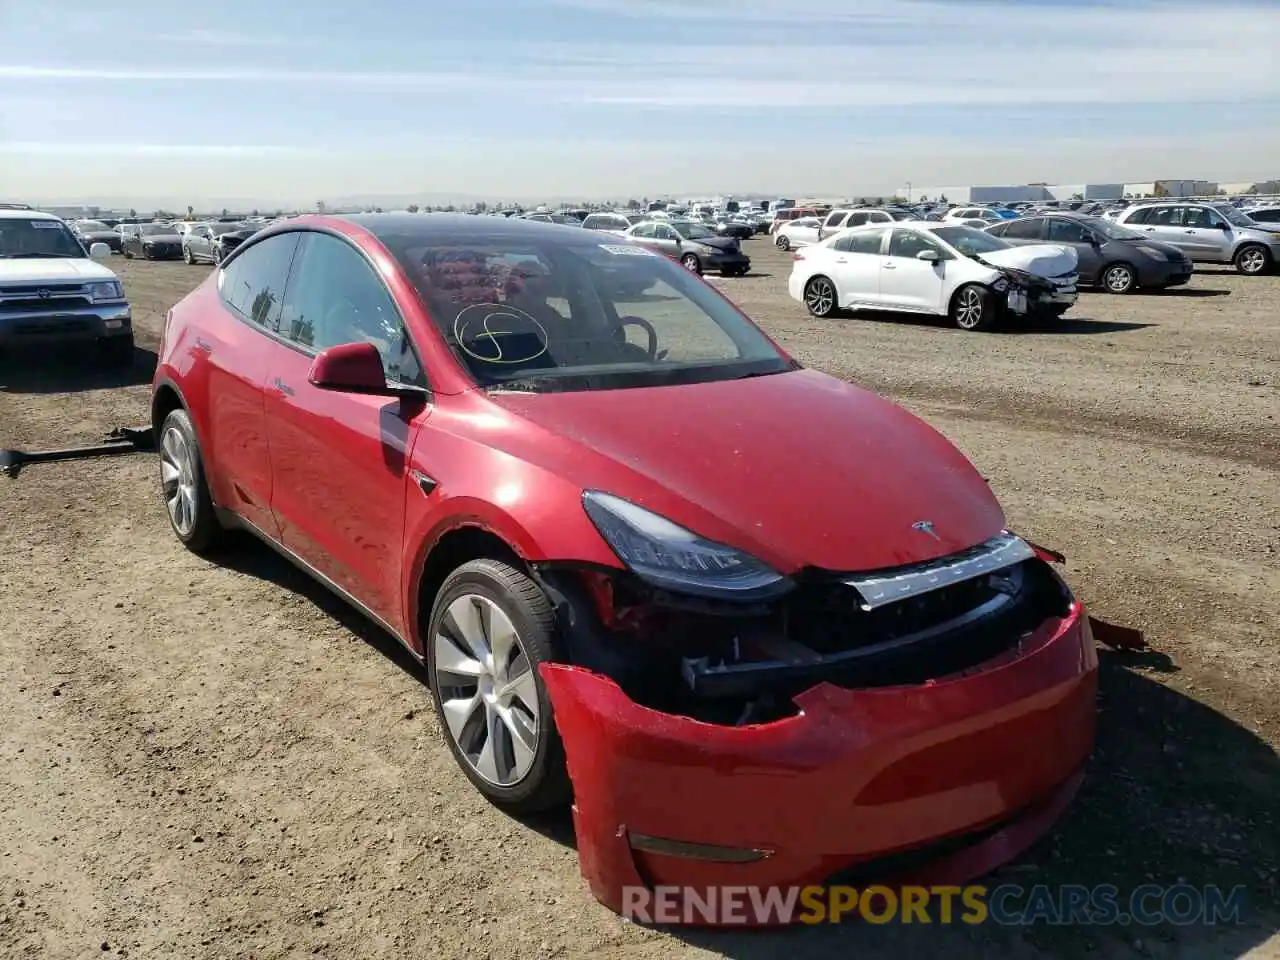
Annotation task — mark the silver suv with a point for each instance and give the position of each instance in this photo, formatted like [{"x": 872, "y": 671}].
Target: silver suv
[{"x": 1209, "y": 233}]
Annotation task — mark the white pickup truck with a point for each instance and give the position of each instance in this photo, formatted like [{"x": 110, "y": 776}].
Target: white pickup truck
[{"x": 54, "y": 294}]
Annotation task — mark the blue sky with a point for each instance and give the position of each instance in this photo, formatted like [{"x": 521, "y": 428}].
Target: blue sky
[{"x": 289, "y": 101}]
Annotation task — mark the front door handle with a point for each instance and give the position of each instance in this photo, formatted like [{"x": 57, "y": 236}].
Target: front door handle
[
  {"x": 890, "y": 266},
  {"x": 841, "y": 260},
  {"x": 283, "y": 387}
]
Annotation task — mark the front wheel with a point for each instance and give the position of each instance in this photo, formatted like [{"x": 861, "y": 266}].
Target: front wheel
[
  {"x": 491, "y": 626},
  {"x": 783, "y": 244},
  {"x": 184, "y": 485},
  {"x": 820, "y": 297},
  {"x": 186, "y": 255},
  {"x": 973, "y": 308},
  {"x": 1119, "y": 278},
  {"x": 1252, "y": 259},
  {"x": 691, "y": 263}
]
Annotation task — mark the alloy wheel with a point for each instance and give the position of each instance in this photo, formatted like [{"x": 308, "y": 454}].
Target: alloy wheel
[
  {"x": 1119, "y": 279},
  {"x": 178, "y": 480},
  {"x": 488, "y": 692},
  {"x": 1252, "y": 260},
  {"x": 820, "y": 296},
  {"x": 969, "y": 309}
]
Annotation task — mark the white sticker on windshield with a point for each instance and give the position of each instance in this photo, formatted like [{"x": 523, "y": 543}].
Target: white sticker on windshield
[
  {"x": 46, "y": 224},
  {"x": 621, "y": 250}
]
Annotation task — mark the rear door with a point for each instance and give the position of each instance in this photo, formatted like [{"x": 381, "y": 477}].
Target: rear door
[
  {"x": 855, "y": 260},
  {"x": 1021, "y": 232},
  {"x": 237, "y": 349},
  {"x": 339, "y": 459}
]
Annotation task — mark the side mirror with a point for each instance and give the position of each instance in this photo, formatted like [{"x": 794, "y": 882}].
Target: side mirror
[
  {"x": 929, "y": 256},
  {"x": 99, "y": 251},
  {"x": 350, "y": 368}
]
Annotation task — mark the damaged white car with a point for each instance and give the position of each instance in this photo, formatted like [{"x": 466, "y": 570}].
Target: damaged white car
[{"x": 944, "y": 269}]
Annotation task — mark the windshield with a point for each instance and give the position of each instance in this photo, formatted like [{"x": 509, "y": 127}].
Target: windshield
[
  {"x": 693, "y": 231},
  {"x": 557, "y": 316},
  {"x": 37, "y": 238},
  {"x": 156, "y": 230},
  {"x": 969, "y": 241},
  {"x": 218, "y": 229},
  {"x": 1112, "y": 231},
  {"x": 1235, "y": 217},
  {"x": 93, "y": 226}
]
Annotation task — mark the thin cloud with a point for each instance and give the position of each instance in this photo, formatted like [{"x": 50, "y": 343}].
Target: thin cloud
[{"x": 43, "y": 148}]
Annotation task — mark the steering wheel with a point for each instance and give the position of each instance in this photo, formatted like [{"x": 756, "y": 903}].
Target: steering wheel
[{"x": 651, "y": 350}]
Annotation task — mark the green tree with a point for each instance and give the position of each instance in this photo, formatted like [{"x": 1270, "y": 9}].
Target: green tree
[{"x": 414, "y": 208}]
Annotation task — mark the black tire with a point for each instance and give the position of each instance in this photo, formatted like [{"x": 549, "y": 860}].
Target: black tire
[
  {"x": 187, "y": 256},
  {"x": 973, "y": 308},
  {"x": 691, "y": 263},
  {"x": 217, "y": 256},
  {"x": 117, "y": 351},
  {"x": 128, "y": 254},
  {"x": 820, "y": 297},
  {"x": 783, "y": 243},
  {"x": 1118, "y": 278},
  {"x": 146, "y": 254},
  {"x": 205, "y": 531},
  {"x": 1252, "y": 259},
  {"x": 546, "y": 785}
]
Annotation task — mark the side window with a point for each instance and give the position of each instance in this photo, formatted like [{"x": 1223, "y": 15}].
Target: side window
[
  {"x": 663, "y": 232},
  {"x": 335, "y": 297},
  {"x": 999, "y": 229},
  {"x": 1164, "y": 216},
  {"x": 835, "y": 219},
  {"x": 253, "y": 283},
  {"x": 1067, "y": 231},
  {"x": 866, "y": 241},
  {"x": 1028, "y": 229},
  {"x": 878, "y": 216},
  {"x": 645, "y": 231},
  {"x": 909, "y": 243},
  {"x": 1265, "y": 216},
  {"x": 1141, "y": 215},
  {"x": 857, "y": 220}
]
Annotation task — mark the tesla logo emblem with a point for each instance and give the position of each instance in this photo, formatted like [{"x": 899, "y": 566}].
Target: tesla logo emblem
[
  {"x": 926, "y": 526},
  {"x": 43, "y": 294}
]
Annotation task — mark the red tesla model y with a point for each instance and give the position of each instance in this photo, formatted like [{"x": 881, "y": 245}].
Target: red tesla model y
[{"x": 757, "y": 625}]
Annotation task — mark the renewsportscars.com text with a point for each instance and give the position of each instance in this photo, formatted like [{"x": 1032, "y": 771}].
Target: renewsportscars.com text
[{"x": 1005, "y": 905}]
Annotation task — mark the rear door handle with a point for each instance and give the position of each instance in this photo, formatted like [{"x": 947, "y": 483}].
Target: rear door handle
[
  {"x": 890, "y": 266},
  {"x": 841, "y": 260},
  {"x": 283, "y": 387}
]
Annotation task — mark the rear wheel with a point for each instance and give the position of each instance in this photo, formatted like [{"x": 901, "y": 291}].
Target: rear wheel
[
  {"x": 491, "y": 626},
  {"x": 1252, "y": 259},
  {"x": 184, "y": 485},
  {"x": 820, "y": 296},
  {"x": 973, "y": 308},
  {"x": 1119, "y": 278}
]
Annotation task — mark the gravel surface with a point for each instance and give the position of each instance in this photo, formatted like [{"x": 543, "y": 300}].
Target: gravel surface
[{"x": 204, "y": 761}]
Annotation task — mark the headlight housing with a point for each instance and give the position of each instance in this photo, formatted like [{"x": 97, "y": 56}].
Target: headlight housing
[
  {"x": 1153, "y": 253},
  {"x": 667, "y": 555},
  {"x": 1001, "y": 285},
  {"x": 104, "y": 290}
]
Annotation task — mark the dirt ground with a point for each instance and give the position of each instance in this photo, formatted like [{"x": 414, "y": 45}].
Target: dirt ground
[{"x": 204, "y": 761}]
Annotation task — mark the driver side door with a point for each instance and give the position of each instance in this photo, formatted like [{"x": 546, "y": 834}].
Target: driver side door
[
  {"x": 1207, "y": 233},
  {"x": 909, "y": 283},
  {"x": 666, "y": 239},
  {"x": 339, "y": 460}
]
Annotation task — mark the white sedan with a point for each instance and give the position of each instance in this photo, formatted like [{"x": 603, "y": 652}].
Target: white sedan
[
  {"x": 797, "y": 233},
  {"x": 944, "y": 269}
]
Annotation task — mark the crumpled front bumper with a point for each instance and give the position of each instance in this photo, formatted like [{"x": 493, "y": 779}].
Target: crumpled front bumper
[{"x": 857, "y": 779}]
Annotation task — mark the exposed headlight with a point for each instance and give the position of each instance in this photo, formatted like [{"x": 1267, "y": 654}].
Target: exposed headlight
[
  {"x": 1153, "y": 253},
  {"x": 669, "y": 556},
  {"x": 1001, "y": 285},
  {"x": 104, "y": 290}
]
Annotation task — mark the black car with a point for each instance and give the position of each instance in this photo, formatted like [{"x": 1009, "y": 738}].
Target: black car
[
  {"x": 212, "y": 241},
  {"x": 152, "y": 241},
  {"x": 90, "y": 232},
  {"x": 737, "y": 229},
  {"x": 1112, "y": 257}
]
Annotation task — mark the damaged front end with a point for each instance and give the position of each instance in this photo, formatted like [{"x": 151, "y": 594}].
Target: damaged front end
[
  {"x": 1026, "y": 293},
  {"x": 849, "y": 719}
]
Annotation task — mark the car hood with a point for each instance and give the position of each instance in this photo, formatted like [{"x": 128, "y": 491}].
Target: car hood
[
  {"x": 52, "y": 268},
  {"x": 1168, "y": 249},
  {"x": 1042, "y": 259},
  {"x": 720, "y": 243},
  {"x": 798, "y": 468},
  {"x": 162, "y": 238}
]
